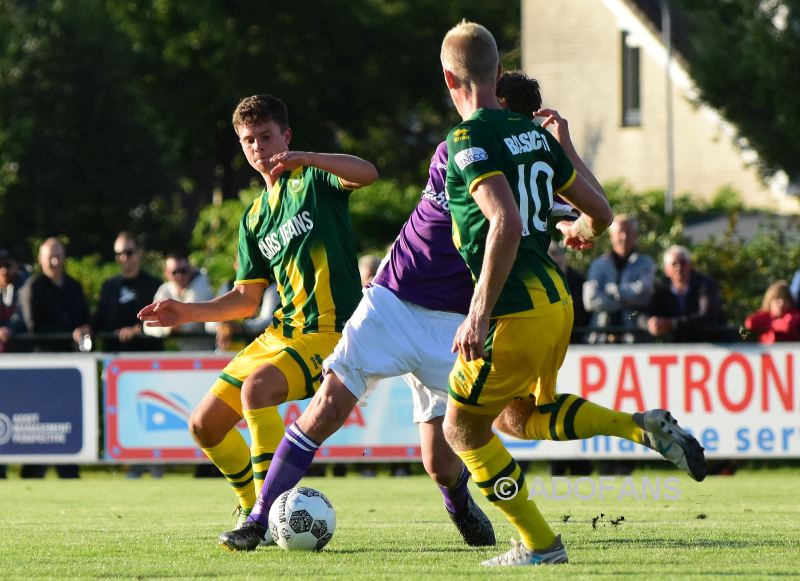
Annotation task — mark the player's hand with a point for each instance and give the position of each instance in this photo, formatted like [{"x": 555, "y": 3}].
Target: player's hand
[
  {"x": 471, "y": 337},
  {"x": 287, "y": 160},
  {"x": 166, "y": 313},
  {"x": 573, "y": 237},
  {"x": 560, "y": 127}
]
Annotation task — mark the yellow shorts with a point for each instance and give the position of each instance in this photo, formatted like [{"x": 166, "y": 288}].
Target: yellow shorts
[
  {"x": 299, "y": 359},
  {"x": 524, "y": 354}
]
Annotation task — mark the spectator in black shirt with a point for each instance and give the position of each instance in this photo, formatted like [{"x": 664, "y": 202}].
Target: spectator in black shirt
[
  {"x": 686, "y": 305},
  {"x": 122, "y": 297},
  {"x": 53, "y": 301}
]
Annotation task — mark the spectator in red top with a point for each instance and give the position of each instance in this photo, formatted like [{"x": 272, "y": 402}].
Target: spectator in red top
[{"x": 778, "y": 319}]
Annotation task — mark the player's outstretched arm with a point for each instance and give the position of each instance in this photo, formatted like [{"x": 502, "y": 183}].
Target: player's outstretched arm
[
  {"x": 239, "y": 303},
  {"x": 595, "y": 217},
  {"x": 559, "y": 127},
  {"x": 353, "y": 171},
  {"x": 495, "y": 199}
]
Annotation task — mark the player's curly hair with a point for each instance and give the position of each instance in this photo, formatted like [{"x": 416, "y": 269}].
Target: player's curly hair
[
  {"x": 520, "y": 93},
  {"x": 260, "y": 109}
]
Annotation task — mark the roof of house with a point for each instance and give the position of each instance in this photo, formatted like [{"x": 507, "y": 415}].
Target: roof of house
[{"x": 681, "y": 27}]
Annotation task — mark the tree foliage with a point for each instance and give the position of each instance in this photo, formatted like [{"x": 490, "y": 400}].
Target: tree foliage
[
  {"x": 116, "y": 113},
  {"x": 744, "y": 56}
]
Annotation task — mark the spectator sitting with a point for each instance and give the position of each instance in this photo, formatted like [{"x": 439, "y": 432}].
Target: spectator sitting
[
  {"x": 685, "y": 304},
  {"x": 53, "y": 302},
  {"x": 11, "y": 281},
  {"x": 575, "y": 280},
  {"x": 186, "y": 284},
  {"x": 619, "y": 284},
  {"x": 778, "y": 319},
  {"x": 122, "y": 297}
]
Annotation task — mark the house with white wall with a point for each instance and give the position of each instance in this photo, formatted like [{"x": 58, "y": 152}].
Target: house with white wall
[{"x": 605, "y": 66}]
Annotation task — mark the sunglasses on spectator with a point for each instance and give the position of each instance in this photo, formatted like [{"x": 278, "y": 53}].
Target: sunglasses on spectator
[
  {"x": 126, "y": 252},
  {"x": 178, "y": 271}
]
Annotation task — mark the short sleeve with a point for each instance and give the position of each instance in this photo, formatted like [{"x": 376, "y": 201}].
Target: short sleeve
[
  {"x": 252, "y": 266},
  {"x": 329, "y": 179}
]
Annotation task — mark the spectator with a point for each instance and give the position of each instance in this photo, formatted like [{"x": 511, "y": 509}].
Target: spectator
[
  {"x": 186, "y": 284},
  {"x": 368, "y": 267},
  {"x": 575, "y": 280},
  {"x": 619, "y": 284},
  {"x": 53, "y": 302},
  {"x": 122, "y": 297},
  {"x": 685, "y": 307},
  {"x": 778, "y": 319},
  {"x": 11, "y": 281}
]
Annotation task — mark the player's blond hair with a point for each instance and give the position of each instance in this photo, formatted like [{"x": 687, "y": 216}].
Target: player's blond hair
[{"x": 469, "y": 51}]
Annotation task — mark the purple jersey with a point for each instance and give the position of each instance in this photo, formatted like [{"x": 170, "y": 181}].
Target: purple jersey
[{"x": 424, "y": 266}]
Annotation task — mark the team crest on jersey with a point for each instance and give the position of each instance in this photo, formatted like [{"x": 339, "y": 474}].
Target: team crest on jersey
[
  {"x": 470, "y": 155},
  {"x": 296, "y": 183},
  {"x": 460, "y": 135}
]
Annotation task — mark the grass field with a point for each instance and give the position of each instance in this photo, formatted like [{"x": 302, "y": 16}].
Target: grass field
[{"x": 106, "y": 526}]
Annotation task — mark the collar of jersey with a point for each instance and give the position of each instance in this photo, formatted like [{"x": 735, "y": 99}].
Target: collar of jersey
[{"x": 273, "y": 196}]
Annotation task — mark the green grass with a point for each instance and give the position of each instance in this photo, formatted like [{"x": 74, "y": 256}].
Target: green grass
[{"x": 106, "y": 526}]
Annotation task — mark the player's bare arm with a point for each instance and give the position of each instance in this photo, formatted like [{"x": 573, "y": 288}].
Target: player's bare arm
[
  {"x": 239, "y": 303},
  {"x": 495, "y": 199},
  {"x": 559, "y": 127},
  {"x": 353, "y": 171},
  {"x": 596, "y": 215}
]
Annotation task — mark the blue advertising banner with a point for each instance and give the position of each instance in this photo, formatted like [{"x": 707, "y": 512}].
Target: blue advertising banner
[{"x": 48, "y": 411}]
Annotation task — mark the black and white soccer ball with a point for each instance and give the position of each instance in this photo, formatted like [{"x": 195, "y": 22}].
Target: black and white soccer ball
[{"x": 302, "y": 519}]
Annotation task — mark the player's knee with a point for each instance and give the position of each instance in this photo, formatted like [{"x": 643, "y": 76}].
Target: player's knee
[
  {"x": 452, "y": 434},
  {"x": 328, "y": 411},
  {"x": 259, "y": 392},
  {"x": 202, "y": 430}
]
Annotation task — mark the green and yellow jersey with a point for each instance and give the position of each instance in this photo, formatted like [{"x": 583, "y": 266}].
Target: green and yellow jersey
[
  {"x": 299, "y": 235},
  {"x": 497, "y": 141}
]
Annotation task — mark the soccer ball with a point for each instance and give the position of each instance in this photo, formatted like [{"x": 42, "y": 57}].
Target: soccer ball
[{"x": 302, "y": 519}]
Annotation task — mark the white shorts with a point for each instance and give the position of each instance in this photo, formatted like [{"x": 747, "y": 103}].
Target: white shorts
[{"x": 388, "y": 337}]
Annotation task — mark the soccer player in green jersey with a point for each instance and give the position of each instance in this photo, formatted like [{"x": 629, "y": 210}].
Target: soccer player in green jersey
[
  {"x": 502, "y": 175},
  {"x": 296, "y": 233}
]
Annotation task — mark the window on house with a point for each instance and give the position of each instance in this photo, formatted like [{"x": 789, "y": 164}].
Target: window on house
[{"x": 631, "y": 83}]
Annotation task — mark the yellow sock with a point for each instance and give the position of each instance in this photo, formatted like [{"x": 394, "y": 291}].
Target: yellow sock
[
  {"x": 232, "y": 457},
  {"x": 573, "y": 418},
  {"x": 490, "y": 464},
  {"x": 266, "y": 429}
]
